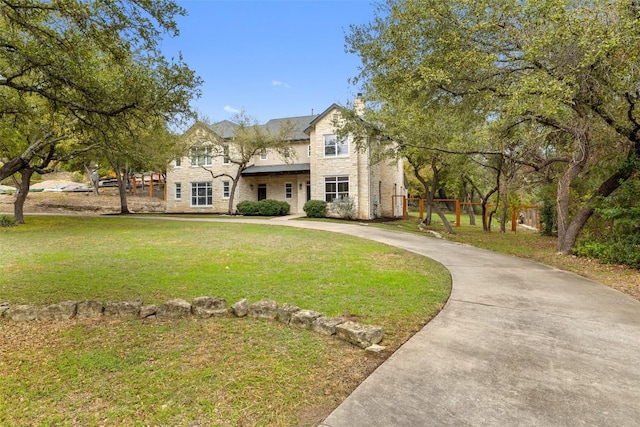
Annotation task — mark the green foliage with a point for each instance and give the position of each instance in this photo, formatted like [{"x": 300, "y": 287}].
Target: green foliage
[
  {"x": 6, "y": 221},
  {"x": 269, "y": 207},
  {"x": 544, "y": 84},
  {"x": 614, "y": 235},
  {"x": 105, "y": 79},
  {"x": 548, "y": 218},
  {"x": 248, "y": 207},
  {"x": 266, "y": 207},
  {"x": 315, "y": 208},
  {"x": 618, "y": 249}
]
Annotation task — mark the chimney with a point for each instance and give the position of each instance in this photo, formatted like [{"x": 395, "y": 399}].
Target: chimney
[{"x": 358, "y": 105}]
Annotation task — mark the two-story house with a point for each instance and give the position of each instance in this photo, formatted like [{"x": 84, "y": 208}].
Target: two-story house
[{"x": 319, "y": 165}]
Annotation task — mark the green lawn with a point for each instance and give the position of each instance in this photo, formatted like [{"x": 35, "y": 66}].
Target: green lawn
[{"x": 195, "y": 372}]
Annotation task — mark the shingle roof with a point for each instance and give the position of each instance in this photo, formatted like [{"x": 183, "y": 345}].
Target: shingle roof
[
  {"x": 226, "y": 128},
  {"x": 278, "y": 169},
  {"x": 299, "y": 125}
]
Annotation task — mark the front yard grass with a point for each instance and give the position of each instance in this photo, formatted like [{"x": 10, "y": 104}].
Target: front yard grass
[{"x": 221, "y": 371}]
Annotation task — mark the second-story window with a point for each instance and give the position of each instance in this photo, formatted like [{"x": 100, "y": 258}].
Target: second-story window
[
  {"x": 225, "y": 153},
  {"x": 200, "y": 156},
  {"x": 335, "y": 147},
  {"x": 263, "y": 154}
]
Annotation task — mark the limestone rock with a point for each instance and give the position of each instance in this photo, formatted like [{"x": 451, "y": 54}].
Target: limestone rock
[
  {"x": 375, "y": 348},
  {"x": 123, "y": 308},
  {"x": 361, "y": 335},
  {"x": 21, "y": 312},
  {"x": 304, "y": 318},
  {"x": 62, "y": 311},
  {"x": 174, "y": 308},
  {"x": 241, "y": 308},
  {"x": 265, "y": 309},
  {"x": 326, "y": 325},
  {"x": 148, "y": 311},
  {"x": 285, "y": 312},
  {"x": 89, "y": 309},
  {"x": 207, "y": 307}
]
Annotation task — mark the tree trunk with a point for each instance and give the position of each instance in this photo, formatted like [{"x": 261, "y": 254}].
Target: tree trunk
[
  {"x": 95, "y": 179},
  {"x": 21, "y": 195},
  {"x": 563, "y": 198},
  {"x": 122, "y": 187},
  {"x": 445, "y": 221},
  {"x": 503, "y": 207},
  {"x": 486, "y": 218},
  {"x": 571, "y": 231},
  {"x": 471, "y": 211},
  {"x": 234, "y": 186}
]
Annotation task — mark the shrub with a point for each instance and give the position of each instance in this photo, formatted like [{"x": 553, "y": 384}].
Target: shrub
[
  {"x": 6, "y": 221},
  {"x": 618, "y": 249},
  {"x": 315, "y": 208},
  {"x": 548, "y": 218},
  {"x": 269, "y": 207},
  {"x": 344, "y": 207},
  {"x": 266, "y": 207},
  {"x": 247, "y": 207}
]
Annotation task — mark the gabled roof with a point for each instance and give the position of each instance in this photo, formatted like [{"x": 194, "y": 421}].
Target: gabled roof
[
  {"x": 290, "y": 168},
  {"x": 299, "y": 125},
  {"x": 321, "y": 116},
  {"x": 224, "y": 129}
]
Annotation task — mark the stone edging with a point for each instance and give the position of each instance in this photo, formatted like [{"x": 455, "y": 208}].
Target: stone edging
[{"x": 364, "y": 336}]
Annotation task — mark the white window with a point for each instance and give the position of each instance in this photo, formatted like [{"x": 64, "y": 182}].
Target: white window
[
  {"x": 288, "y": 190},
  {"x": 178, "y": 190},
  {"x": 201, "y": 194},
  {"x": 263, "y": 154},
  {"x": 226, "y": 189},
  {"x": 225, "y": 152},
  {"x": 201, "y": 156},
  {"x": 336, "y": 187},
  {"x": 178, "y": 162},
  {"x": 335, "y": 147}
]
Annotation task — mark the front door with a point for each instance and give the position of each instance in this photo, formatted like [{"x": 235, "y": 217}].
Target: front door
[{"x": 262, "y": 191}]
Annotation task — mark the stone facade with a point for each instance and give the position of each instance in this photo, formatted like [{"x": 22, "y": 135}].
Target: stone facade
[{"x": 304, "y": 175}]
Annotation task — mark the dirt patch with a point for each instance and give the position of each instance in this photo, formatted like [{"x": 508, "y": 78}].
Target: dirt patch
[{"x": 108, "y": 202}]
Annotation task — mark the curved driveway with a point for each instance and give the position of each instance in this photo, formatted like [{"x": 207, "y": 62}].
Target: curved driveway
[{"x": 517, "y": 344}]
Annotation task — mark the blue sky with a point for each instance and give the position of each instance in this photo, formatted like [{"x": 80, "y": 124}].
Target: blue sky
[{"x": 271, "y": 58}]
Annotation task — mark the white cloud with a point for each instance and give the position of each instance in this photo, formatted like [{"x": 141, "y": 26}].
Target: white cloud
[
  {"x": 278, "y": 83},
  {"x": 230, "y": 109}
]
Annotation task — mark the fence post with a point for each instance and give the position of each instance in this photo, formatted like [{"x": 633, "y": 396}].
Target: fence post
[
  {"x": 421, "y": 204},
  {"x": 405, "y": 212},
  {"x": 458, "y": 213},
  {"x": 150, "y": 185}
]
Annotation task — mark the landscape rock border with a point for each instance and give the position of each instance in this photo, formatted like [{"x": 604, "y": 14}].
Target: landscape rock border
[{"x": 364, "y": 336}]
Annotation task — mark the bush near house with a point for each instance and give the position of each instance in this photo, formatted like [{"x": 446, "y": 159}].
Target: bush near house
[
  {"x": 315, "y": 208},
  {"x": 269, "y": 207},
  {"x": 266, "y": 207},
  {"x": 247, "y": 207}
]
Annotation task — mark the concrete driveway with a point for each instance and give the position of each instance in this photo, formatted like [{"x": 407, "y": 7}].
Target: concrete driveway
[{"x": 518, "y": 344}]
